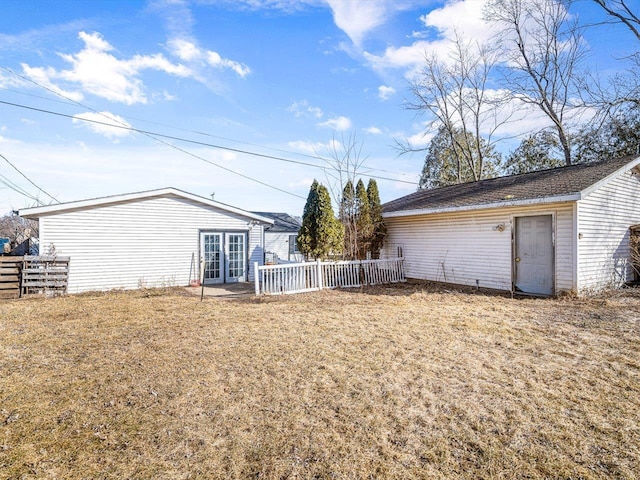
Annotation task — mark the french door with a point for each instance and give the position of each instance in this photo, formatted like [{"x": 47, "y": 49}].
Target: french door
[
  {"x": 224, "y": 257},
  {"x": 213, "y": 257},
  {"x": 235, "y": 249}
]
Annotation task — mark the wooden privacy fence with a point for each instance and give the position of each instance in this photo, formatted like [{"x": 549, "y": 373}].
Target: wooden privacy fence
[
  {"x": 10, "y": 268},
  {"x": 29, "y": 275},
  {"x": 310, "y": 276}
]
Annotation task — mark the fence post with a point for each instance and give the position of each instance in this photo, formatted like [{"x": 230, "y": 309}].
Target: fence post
[
  {"x": 319, "y": 273},
  {"x": 256, "y": 277}
]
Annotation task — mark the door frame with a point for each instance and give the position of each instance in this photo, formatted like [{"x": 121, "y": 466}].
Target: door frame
[
  {"x": 219, "y": 280},
  {"x": 224, "y": 257},
  {"x": 227, "y": 276},
  {"x": 514, "y": 250}
]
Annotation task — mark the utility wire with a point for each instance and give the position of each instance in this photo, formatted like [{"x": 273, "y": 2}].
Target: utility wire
[
  {"x": 28, "y": 179},
  {"x": 315, "y": 157},
  {"x": 13, "y": 186},
  {"x": 196, "y": 132},
  {"x": 195, "y": 142},
  {"x": 151, "y": 135},
  {"x": 164, "y": 142}
]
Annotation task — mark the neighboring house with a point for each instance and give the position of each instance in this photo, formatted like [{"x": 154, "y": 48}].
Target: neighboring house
[
  {"x": 150, "y": 239},
  {"x": 280, "y": 238},
  {"x": 566, "y": 229},
  {"x": 5, "y": 245}
]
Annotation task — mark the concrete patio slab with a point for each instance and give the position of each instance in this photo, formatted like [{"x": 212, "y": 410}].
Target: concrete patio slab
[{"x": 225, "y": 290}]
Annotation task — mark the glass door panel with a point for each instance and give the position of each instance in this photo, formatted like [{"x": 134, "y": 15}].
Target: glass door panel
[
  {"x": 236, "y": 263},
  {"x": 211, "y": 245}
]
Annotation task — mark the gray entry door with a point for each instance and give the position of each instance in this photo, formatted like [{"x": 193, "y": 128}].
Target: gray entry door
[{"x": 533, "y": 262}]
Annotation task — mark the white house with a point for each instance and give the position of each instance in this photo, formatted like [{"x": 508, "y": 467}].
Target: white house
[
  {"x": 566, "y": 229},
  {"x": 280, "y": 238},
  {"x": 150, "y": 239}
]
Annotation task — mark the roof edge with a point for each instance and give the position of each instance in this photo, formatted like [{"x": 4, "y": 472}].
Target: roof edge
[
  {"x": 625, "y": 168},
  {"x": 37, "y": 212},
  {"x": 574, "y": 197}
]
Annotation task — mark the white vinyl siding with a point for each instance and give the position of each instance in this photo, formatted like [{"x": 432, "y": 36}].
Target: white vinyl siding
[
  {"x": 467, "y": 247},
  {"x": 279, "y": 243},
  {"x": 148, "y": 242},
  {"x": 604, "y": 218}
]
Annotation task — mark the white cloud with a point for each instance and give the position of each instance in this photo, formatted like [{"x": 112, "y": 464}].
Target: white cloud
[
  {"x": 465, "y": 16},
  {"x": 357, "y": 17},
  {"x": 7, "y": 140},
  {"x": 405, "y": 57},
  {"x": 373, "y": 130},
  {"x": 304, "y": 108},
  {"x": 385, "y": 92},
  {"x": 9, "y": 80},
  {"x": 168, "y": 97},
  {"x": 313, "y": 148},
  {"x": 99, "y": 122},
  {"x": 215, "y": 60},
  {"x": 95, "y": 70},
  {"x": 462, "y": 16},
  {"x": 184, "y": 50},
  {"x": 415, "y": 34},
  {"x": 421, "y": 137},
  {"x": 188, "y": 51},
  {"x": 43, "y": 77},
  {"x": 340, "y": 124},
  {"x": 419, "y": 140}
]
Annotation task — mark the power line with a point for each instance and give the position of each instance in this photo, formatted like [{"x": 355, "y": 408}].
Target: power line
[
  {"x": 194, "y": 142},
  {"x": 197, "y": 132},
  {"x": 153, "y": 135},
  {"x": 5, "y": 181},
  {"x": 150, "y": 135},
  {"x": 28, "y": 179}
]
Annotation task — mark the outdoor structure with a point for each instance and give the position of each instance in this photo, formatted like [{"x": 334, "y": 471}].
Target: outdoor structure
[
  {"x": 280, "y": 238},
  {"x": 566, "y": 229},
  {"x": 155, "y": 238}
]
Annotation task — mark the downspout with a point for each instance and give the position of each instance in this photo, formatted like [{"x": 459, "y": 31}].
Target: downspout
[
  {"x": 513, "y": 256},
  {"x": 576, "y": 247}
]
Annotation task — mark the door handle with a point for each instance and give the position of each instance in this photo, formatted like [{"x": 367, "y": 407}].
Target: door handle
[{"x": 517, "y": 259}]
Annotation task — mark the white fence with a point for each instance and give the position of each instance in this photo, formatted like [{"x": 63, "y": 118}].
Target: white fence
[{"x": 310, "y": 276}]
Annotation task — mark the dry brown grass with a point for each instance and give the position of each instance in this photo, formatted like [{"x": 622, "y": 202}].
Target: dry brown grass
[{"x": 399, "y": 382}]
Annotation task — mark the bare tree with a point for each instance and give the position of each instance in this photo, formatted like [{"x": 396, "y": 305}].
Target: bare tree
[
  {"x": 17, "y": 229},
  {"x": 622, "y": 91},
  {"x": 347, "y": 214},
  {"x": 455, "y": 94},
  {"x": 345, "y": 162},
  {"x": 620, "y": 11},
  {"x": 542, "y": 48}
]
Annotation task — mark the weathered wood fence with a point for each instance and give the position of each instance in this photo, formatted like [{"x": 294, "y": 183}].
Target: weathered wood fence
[
  {"x": 311, "y": 276},
  {"x": 45, "y": 274},
  {"x": 10, "y": 268},
  {"x": 33, "y": 275}
]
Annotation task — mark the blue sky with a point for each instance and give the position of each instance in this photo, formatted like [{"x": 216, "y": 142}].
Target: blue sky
[{"x": 292, "y": 79}]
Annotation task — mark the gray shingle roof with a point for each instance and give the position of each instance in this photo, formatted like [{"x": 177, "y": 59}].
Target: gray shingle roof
[
  {"x": 282, "y": 222},
  {"x": 555, "y": 182}
]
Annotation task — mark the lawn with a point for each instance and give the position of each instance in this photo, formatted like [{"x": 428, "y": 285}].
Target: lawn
[{"x": 410, "y": 381}]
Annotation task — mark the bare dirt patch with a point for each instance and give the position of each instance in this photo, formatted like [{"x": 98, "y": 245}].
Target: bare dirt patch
[{"x": 400, "y": 382}]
